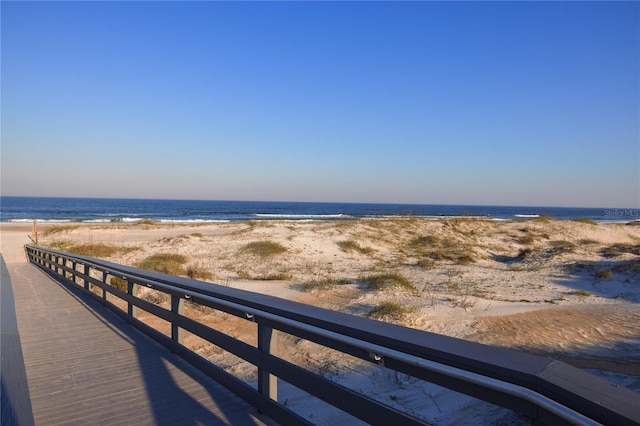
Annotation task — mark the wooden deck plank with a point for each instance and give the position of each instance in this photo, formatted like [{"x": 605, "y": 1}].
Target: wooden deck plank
[{"x": 84, "y": 365}]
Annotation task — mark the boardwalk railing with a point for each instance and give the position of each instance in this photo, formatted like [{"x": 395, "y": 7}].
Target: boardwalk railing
[{"x": 547, "y": 391}]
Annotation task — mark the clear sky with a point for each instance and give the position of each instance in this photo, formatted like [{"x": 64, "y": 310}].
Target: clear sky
[{"x": 493, "y": 103}]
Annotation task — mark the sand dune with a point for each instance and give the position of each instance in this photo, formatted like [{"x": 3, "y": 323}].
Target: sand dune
[{"x": 564, "y": 289}]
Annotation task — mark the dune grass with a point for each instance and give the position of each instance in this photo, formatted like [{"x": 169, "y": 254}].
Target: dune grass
[
  {"x": 603, "y": 274},
  {"x": 263, "y": 248},
  {"x": 166, "y": 263},
  {"x": 100, "y": 250},
  {"x": 56, "y": 229},
  {"x": 320, "y": 284},
  {"x": 387, "y": 281},
  {"x": 197, "y": 272},
  {"x": 430, "y": 248},
  {"x": 585, "y": 220},
  {"x": 352, "y": 245},
  {"x": 619, "y": 249},
  {"x": 390, "y": 311}
]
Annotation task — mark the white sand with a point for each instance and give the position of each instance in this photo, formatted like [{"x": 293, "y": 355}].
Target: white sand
[{"x": 530, "y": 285}]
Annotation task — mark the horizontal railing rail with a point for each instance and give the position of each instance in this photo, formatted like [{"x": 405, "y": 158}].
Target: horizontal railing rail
[{"x": 547, "y": 391}]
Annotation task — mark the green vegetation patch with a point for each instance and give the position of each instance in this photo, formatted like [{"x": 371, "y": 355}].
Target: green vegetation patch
[
  {"x": 166, "y": 263},
  {"x": 263, "y": 248}
]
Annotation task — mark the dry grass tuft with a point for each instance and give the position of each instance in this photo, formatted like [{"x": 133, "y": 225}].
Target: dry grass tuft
[
  {"x": 100, "y": 250},
  {"x": 197, "y": 272},
  {"x": 620, "y": 249},
  {"x": 603, "y": 274},
  {"x": 390, "y": 311},
  {"x": 387, "y": 281},
  {"x": 351, "y": 245},
  {"x": 313, "y": 285},
  {"x": 430, "y": 248},
  {"x": 166, "y": 263},
  {"x": 263, "y": 248}
]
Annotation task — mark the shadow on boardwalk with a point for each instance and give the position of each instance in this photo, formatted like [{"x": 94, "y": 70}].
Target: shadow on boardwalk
[{"x": 85, "y": 365}]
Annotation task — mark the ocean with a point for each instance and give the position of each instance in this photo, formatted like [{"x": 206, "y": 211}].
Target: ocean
[{"x": 107, "y": 210}]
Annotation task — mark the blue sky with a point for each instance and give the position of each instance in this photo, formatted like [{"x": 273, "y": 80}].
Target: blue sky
[{"x": 494, "y": 103}]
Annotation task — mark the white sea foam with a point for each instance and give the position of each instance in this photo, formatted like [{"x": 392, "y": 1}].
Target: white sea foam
[
  {"x": 132, "y": 219},
  {"x": 194, "y": 220},
  {"x": 39, "y": 220},
  {"x": 300, "y": 216},
  {"x": 527, "y": 215}
]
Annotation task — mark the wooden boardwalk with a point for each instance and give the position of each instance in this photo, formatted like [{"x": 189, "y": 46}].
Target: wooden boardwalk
[{"x": 84, "y": 365}]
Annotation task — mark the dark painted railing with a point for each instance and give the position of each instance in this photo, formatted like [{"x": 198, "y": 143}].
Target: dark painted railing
[{"x": 547, "y": 391}]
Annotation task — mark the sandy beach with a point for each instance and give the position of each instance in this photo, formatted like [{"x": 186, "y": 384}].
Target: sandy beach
[{"x": 569, "y": 290}]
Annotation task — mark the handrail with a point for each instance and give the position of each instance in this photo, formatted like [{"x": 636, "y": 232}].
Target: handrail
[{"x": 547, "y": 391}]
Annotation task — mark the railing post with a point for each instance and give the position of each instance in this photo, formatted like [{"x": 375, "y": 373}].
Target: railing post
[
  {"x": 86, "y": 275},
  {"x": 177, "y": 306},
  {"x": 104, "y": 280},
  {"x": 267, "y": 383},
  {"x": 132, "y": 290}
]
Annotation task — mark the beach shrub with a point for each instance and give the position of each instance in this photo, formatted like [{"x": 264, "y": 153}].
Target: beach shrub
[
  {"x": 351, "y": 245},
  {"x": 263, "y": 248},
  {"x": 603, "y": 274},
  {"x": 166, "y": 263}
]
